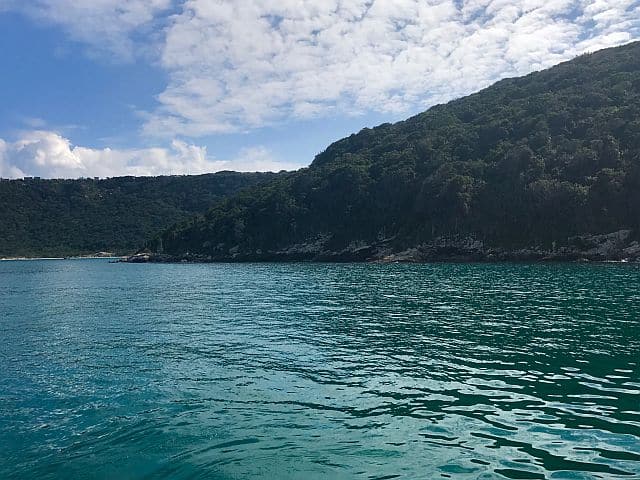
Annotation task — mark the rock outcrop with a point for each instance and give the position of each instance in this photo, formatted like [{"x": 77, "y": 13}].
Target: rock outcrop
[{"x": 616, "y": 246}]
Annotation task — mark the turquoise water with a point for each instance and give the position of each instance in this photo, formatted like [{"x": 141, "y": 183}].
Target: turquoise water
[{"x": 116, "y": 371}]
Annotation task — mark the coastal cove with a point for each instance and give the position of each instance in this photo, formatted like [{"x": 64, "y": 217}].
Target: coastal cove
[
  {"x": 311, "y": 240},
  {"x": 315, "y": 370}
]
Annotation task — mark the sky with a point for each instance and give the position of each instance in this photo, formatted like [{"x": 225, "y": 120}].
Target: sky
[{"x": 156, "y": 87}]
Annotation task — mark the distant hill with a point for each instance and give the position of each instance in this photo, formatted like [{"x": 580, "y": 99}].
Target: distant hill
[
  {"x": 72, "y": 217},
  {"x": 525, "y": 165}
]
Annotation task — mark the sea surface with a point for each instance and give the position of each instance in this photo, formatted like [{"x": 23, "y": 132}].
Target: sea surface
[{"x": 308, "y": 371}]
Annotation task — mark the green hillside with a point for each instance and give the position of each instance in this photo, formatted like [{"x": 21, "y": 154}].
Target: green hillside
[
  {"x": 71, "y": 217},
  {"x": 526, "y": 163}
]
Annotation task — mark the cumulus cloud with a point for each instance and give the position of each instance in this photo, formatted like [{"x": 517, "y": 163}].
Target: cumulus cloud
[
  {"x": 235, "y": 65},
  {"x": 49, "y": 155}
]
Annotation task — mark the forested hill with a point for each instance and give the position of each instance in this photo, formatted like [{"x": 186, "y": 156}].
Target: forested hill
[
  {"x": 524, "y": 164},
  {"x": 72, "y": 217}
]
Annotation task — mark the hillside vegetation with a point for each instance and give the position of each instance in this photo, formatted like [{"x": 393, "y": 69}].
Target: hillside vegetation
[
  {"x": 526, "y": 163},
  {"x": 72, "y": 217}
]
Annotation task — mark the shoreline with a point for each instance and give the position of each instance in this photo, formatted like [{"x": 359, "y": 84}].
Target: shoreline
[
  {"x": 617, "y": 247},
  {"x": 507, "y": 259},
  {"x": 90, "y": 257},
  {"x": 194, "y": 261}
]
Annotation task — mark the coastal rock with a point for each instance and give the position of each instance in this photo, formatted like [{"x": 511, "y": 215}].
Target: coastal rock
[
  {"x": 139, "y": 258},
  {"x": 314, "y": 246},
  {"x": 632, "y": 252},
  {"x": 609, "y": 246},
  {"x": 103, "y": 255},
  {"x": 616, "y": 246},
  {"x": 411, "y": 255}
]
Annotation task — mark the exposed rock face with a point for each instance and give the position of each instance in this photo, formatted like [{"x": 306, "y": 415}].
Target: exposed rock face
[
  {"x": 606, "y": 247},
  {"x": 616, "y": 246},
  {"x": 103, "y": 254},
  {"x": 141, "y": 258},
  {"x": 632, "y": 251}
]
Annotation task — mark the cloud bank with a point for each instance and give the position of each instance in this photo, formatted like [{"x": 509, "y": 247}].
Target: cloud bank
[
  {"x": 237, "y": 65},
  {"x": 234, "y": 65},
  {"x": 49, "y": 155}
]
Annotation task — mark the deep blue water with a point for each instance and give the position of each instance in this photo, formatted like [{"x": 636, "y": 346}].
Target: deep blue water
[{"x": 117, "y": 371}]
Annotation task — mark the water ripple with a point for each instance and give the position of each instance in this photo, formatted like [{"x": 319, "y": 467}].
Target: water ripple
[{"x": 319, "y": 371}]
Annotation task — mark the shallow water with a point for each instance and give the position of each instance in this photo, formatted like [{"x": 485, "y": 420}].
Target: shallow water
[{"x": 319, "y": 371}]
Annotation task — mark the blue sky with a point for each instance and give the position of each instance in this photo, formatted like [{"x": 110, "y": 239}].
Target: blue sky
[{"x": 147, "y": 87}]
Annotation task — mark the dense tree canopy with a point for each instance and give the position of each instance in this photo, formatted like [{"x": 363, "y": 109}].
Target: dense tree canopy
[
  {"x": 531, "y": 160},
  {"x": 71, "y": 217}
]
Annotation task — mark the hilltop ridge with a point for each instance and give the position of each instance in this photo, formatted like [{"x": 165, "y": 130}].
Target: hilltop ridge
[
  {"x": 530, "y": 164},
  {"x": 54, "y": 218}
]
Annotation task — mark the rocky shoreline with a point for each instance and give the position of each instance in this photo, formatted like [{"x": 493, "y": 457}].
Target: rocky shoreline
[{"x": 620, "y": 246}]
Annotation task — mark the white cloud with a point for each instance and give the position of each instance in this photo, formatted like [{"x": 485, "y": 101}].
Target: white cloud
[
  {"x": 235, "y": 65},
  {"x": 49, "y": 155}
]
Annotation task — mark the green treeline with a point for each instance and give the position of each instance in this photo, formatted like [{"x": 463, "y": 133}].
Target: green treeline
[
  {"x": 72, "y": 217},
  {"x": 527, "y": 161}
]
